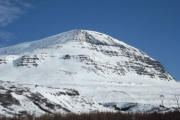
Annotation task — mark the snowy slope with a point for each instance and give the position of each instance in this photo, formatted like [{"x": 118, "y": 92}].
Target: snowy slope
[
  {"x": 98, "y": 66},
  {"x": 29, "y": 99}
]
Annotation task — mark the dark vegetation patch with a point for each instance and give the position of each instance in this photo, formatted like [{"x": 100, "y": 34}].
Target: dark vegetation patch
[{"x": 102, "y": 116}]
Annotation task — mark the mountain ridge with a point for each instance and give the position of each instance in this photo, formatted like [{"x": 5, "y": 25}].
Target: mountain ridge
[{"x": 72, "y": 34}]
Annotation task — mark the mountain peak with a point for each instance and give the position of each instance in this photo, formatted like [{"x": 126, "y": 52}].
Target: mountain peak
[
  {"x": 89, "y": 36},
  {"x": 77, "y": 35}
]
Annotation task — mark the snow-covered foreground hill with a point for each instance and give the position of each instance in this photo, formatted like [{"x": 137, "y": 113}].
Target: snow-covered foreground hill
[
  {"x": 100, "y": 68},
  {"x": 34, "y": 99}
]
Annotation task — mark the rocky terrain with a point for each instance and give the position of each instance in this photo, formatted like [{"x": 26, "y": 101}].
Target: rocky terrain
[{"x": 18, "y": 99}]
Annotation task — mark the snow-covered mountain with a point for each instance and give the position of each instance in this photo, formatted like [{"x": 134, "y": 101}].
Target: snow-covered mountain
[{"x": 100, "y": 68}]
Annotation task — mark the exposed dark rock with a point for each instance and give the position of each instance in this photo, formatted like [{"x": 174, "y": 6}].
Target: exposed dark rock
[
  {"x": 3, "y": 61},
  {"x": 6, "y": 99},
  {"x": 72, "y": 92},
  {"x": 27, "y": 61},
  {"x": 67, "y": 57},
  {"x": 39, "y": 100}
]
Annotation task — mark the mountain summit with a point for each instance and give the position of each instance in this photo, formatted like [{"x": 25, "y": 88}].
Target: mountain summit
[
  {"x": 118, "y": 57},
  {"x": 82, "y": 36},
  {"x": 81, "y": 63}
]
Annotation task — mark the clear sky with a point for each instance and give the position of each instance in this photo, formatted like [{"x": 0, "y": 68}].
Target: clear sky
[{"x": 150, "y": 25}]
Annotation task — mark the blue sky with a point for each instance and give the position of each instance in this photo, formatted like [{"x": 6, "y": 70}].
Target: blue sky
[{"x": 150, "y": 25}]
